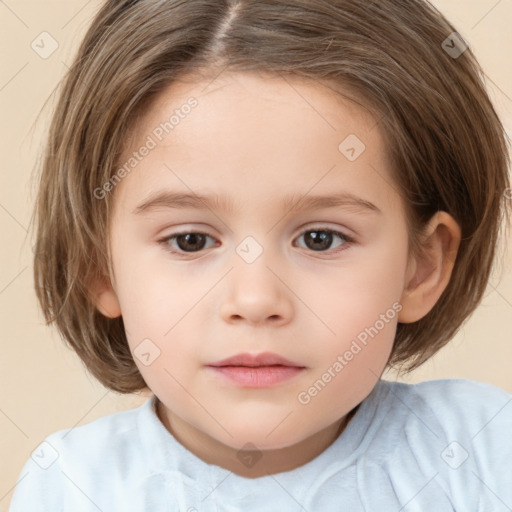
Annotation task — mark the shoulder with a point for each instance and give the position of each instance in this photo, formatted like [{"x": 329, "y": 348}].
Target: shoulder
[
  {"x": 452, "y": 391},
  {"x": 478, "y": 413},
  {"x": 453, "y": 433},
  {"x": 101, "y": 439},
  {"x": 50, "y": 475},
  {"x": 456, "y": 404}
]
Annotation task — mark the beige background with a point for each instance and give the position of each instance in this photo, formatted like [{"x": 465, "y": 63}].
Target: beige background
[{"x": 44, "y": 386}]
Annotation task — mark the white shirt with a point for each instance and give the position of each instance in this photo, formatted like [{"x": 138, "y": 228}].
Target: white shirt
[{"x": 438, "y": 446}]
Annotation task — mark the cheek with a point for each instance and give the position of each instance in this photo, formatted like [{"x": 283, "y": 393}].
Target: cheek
[
  {"x": 153, "y": 294},
  {"x": 160, "y": 312},
  {"x": 347, "y": 368},
  {"x": 363, "y": 340},
  {"x": 359, "y": 306},
  {"x": 347, "y": 300}
]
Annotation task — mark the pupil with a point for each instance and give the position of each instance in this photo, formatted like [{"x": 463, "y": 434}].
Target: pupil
[
  {"x": 194, "y": 241},
  {"x": 318, "y": 237}
]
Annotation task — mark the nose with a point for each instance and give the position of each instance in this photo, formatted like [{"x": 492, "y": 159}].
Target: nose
[{"x": 257, "y": 294}]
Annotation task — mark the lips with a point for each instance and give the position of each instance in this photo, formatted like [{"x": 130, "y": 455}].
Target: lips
[
  {"x": 256, "y": 371},
  {"x": 263, "y": 359}
]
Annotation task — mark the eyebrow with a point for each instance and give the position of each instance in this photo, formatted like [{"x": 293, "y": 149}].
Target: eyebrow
[{"x": 177, "y": 200}]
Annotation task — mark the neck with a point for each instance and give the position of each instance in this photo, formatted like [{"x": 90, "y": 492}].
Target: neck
[{"x": 251, "y": 463}]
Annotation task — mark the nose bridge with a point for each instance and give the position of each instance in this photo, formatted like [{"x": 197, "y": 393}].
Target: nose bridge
[
  {"x": 254, "y": 291},
  {"x": 255, "y": 256}
]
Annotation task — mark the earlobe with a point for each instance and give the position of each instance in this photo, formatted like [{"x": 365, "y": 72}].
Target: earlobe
[
  {"x": 428, "y": 273},
  {"x": 105, "y": 299}
]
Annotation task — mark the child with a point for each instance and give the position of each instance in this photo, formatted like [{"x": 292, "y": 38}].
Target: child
[{"x": 340, "y": 174}]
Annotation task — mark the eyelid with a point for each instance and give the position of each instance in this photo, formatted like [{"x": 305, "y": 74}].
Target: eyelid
[
  {"x": 166, "y": 239},
  {"x": 344, "y": 231},
  {"x": 349, "y": 240}
]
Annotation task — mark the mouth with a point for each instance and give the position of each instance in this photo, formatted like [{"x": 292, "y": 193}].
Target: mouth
[{"x": 257, "y": 371}]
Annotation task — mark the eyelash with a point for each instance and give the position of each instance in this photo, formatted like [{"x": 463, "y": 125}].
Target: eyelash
[{"x": 347, "y": 241}]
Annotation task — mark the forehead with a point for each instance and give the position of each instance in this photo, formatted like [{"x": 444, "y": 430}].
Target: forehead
[
  {"x": 262, "y": 134},
  {"x": 263, "y": 97}
]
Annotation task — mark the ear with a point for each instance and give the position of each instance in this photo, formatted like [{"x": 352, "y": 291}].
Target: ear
[
  {"x": 428, "y": 273},
  {"x": 105, "y": 298}
]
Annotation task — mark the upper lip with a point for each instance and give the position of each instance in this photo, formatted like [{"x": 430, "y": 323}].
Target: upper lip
[{"x": 262, "y": 359}]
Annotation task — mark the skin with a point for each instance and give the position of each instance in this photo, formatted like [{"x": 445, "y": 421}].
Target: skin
[{"x": 257, "y": 139}]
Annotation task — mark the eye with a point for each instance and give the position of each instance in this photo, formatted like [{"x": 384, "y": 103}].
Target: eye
[
  {"x": 187, "y": 242},
  {"x": 317, "y": 240},
  {"x": 321, "y": 239}
]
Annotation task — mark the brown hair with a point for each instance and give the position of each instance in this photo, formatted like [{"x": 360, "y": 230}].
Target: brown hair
[{"x": 397, "y": 58}]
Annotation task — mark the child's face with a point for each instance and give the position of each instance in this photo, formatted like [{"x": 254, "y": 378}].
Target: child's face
[{"x": 265, "y": 277}]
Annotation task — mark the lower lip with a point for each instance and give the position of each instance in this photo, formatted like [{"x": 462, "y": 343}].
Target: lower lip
[{"x": 258, "y": 376}]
